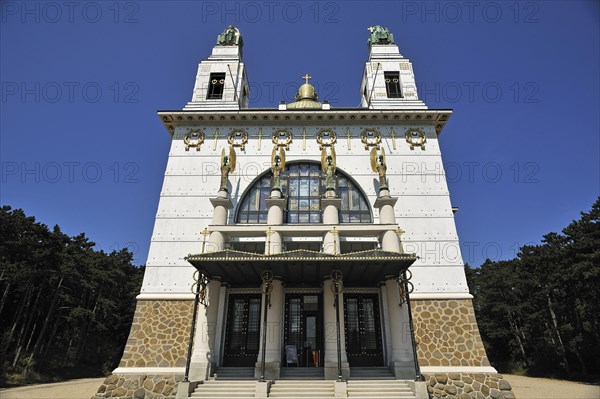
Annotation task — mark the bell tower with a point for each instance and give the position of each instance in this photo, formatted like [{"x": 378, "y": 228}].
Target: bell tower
[
  {"x": 221, "y": 81},
  {"x": 388, "y": 80}
]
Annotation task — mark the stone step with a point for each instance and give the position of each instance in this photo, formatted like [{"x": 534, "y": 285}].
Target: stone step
[
  {"x": 234, "y": 373},
  {"x": 296, "y": 394},
  {"x": 317, "y": 374},
  {"x": 231, "y": 389},
  {"x": 367, "y": 381},
  {"x": 230, "y": 383},
  {"x": 369, "y": 389},
  {"x": 302, "y": 370},
  {"x": 299, "y": 389},
  {"x": 371, "y": 373},
  {"x": 234, "y": 389},
  {"x": 371, "y": 383},
  {"x": 377, "y": 396},
  {"x": 221, "y": 397},
  {"x": 397, "y": 395},
  {"x": 224, "y": 394},
  {"x": 236, "y": 369},
  {"x": 308, "y": 389},
  {"x": 302, "y": 383},
  {"x": 303, "y": 395},
  {"x": 368, "y": 378},
  {"x": 378, "y": 389}
]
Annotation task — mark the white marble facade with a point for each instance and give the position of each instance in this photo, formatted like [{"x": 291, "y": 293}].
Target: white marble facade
[{"x": 416, "y": 178}]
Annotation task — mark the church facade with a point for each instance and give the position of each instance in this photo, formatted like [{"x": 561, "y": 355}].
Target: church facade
[{"x": 304, "y": 241}]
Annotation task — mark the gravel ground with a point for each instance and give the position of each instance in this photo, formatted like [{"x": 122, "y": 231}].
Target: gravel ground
[
  {"x": 523, "y": 388},
  {"x": 73, "y": 389},
  {"x": 544, "y": 388}
]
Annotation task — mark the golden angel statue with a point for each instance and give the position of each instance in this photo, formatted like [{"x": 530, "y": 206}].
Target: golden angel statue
[
  {"x": 277, "y": 166},
  {"x": 328, "y": 165},
  {"x": 227, "y": 167},
  {"x": 379, "y": 165}
]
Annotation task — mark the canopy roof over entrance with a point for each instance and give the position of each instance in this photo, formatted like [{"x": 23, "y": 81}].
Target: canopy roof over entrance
[{"x": 301, "y": 266}]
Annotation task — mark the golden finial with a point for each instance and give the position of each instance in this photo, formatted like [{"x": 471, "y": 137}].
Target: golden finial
[
  {"x": 371, "y": 29},
  {"x": 269, "y": 234},
  {"x": 306, "y": 77},
  {"x": 205, "y": 233}
]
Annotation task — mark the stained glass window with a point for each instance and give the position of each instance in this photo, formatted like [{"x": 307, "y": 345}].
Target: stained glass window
[{"x": 302, "y": 186}]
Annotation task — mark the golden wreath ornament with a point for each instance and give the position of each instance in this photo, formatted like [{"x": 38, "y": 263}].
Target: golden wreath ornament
[
  {"x": 326, "y": 138},
  {"x": 370, "y": 138},
  {"x": 193, "y": 139},
  {"x": 238, "y": 138},
  {"x": 282, "y": 138},
  {"x": 415, "y": 137}
]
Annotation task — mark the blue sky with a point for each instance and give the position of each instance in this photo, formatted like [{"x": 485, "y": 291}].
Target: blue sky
[{"x": 81, "y": 145}]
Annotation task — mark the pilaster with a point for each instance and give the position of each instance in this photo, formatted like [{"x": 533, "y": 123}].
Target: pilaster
[
  {"x": 220, "y": 323},
  {"x": 401, "y": 359},
  {"x": 204, "y": 339},
  {"x": 274, "y": 332},
  {"x": 330, "y": 331}
]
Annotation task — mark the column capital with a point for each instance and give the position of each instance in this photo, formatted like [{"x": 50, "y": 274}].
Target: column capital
[
  {"x": 337, "y": 202},
  {"x": 220, "y": 201},
  {"x": 278, "y": 202},
  {"x": 385, "y": 200}
]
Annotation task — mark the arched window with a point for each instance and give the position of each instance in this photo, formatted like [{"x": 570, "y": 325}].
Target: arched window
[{"x": 302, "y": 186}]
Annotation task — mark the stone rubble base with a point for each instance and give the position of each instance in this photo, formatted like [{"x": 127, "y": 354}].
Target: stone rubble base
[
  {"x": 139, "y": 386},
  {"x": 468, "y": 386}
]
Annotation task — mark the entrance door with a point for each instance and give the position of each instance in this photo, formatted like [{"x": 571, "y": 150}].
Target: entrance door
[
  {"x": 243, "y": 331},
  {"x": 303, "y": 330},
  {"x": 363, "y": 330}
]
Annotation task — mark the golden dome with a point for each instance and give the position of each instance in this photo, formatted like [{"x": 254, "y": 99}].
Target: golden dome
[{"x": 306, "y": 97}]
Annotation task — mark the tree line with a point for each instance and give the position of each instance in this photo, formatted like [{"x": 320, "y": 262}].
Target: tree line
[
  {"x": 540, "y": 312},
  {"x": 65, "y": 307}
]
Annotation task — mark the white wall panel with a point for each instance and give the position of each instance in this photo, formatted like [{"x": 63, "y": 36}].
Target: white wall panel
[{"x": 416, "y": 177}]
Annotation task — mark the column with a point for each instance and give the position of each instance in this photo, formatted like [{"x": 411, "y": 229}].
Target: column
[
  {"x": 330, "y": 207},
  {"x": 330, "y": 331},
  {"x": 273, "y": 245},
  {"x": 274, "y": 332},
  {"x": 389, "y": 239},
  {"x": 221, "y": 205},
  {"x": 274, "y": 240},
  {"x": 204, "y": 338},
  {"x": 385, "y": 315},
  {"x": 402, "y": 360},
  {"x": 220, "y": 324}
]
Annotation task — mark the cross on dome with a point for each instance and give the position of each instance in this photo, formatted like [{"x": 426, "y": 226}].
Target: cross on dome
[{"x": 306, "y": 77}]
